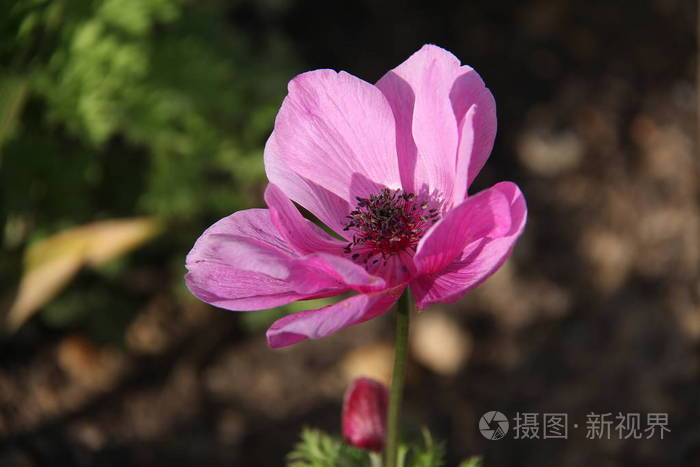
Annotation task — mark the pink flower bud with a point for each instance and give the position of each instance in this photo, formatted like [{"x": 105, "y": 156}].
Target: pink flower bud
[{"x": 364, "y": 414}]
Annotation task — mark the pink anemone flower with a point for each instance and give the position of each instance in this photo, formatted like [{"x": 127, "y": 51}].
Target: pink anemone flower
[{"x": 386, "y": 167}]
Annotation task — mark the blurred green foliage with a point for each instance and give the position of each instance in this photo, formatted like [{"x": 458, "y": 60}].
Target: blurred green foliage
[
  {"x": 318, "y": 449},
  {"x": 113, "y": 108}
]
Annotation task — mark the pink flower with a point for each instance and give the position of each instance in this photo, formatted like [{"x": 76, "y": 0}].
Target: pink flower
[
  {"x": 364, "y": 414},
  {"x": 387, "y": 168}
]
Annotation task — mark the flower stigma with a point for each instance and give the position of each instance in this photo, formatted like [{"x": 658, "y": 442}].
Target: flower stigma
[{"x": 388, "y": 223}]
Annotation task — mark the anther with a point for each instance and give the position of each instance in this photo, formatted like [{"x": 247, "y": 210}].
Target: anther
[{"x": 388, "y": 222}]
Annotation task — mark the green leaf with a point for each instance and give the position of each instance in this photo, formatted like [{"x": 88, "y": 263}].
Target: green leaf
[
  {"x": 430, "y": 454},
  {"x": 317, "y": 449},
  {"x": 474, "y": 461}
]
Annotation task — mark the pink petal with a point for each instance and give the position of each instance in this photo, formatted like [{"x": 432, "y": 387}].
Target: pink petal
[
  {"x": 427, "y": 138},
  {"x": 487, "y": 213},
  {"x": 253, "y": 223},
  {"x": 240, "y": 263},
  {"x": 479, "y": 259},
  {"x": 301, "y": 234},
  {"x": 475, "y": 110},
  {"x": 338, "y": 131},
  {"x": 315, "y": 324},
  {"x": 237, "y": 290},
  {"x": 340, "y": 269},
  {"x": 328, "y": 207}
]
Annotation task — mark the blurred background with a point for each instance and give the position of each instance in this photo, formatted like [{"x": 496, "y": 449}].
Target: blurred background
[{"x": 129, "y": 126}]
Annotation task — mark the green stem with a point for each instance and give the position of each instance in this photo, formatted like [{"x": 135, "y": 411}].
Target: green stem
[{"x": 400, "y": 352}]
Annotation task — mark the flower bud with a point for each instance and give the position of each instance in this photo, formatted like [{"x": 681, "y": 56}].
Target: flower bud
[{"x": 364, "y": 414}]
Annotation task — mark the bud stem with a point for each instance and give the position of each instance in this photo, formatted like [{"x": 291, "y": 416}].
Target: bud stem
[{"x": 400, "y": 353}]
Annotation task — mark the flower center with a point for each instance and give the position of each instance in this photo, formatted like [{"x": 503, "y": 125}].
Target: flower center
[{"x": 388, "y": 223}]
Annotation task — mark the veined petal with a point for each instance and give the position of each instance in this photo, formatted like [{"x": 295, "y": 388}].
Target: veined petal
[
  {"x": 477, "y": 261},
  {"x": 241, "y": 263},
  {"x": 475, "y": 110},
  {"x": 301, "y": 234},
  {"x": 338, "y": 131},
  {"x": 315, "y": 324},
  {"x": 328, "y": 207},
  {"x": 341, "y": 269},
  {"x": 427, "y": 138},
  {"x": 238, "y": 290},
  {"x": 486, "y": 214}
]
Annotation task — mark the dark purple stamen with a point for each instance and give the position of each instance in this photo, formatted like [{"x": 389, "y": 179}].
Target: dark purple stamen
[{"x": 387, "y": 223}]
